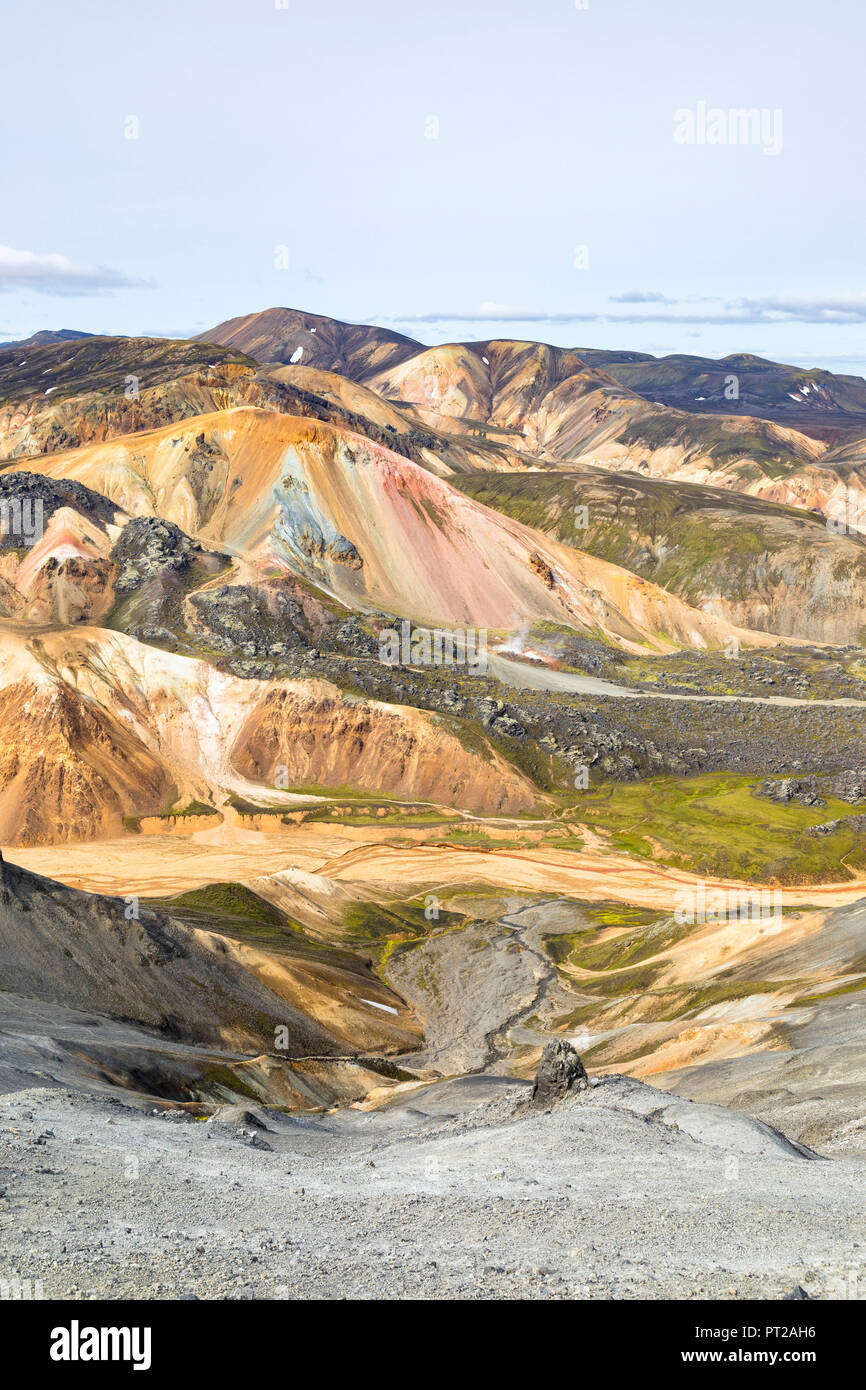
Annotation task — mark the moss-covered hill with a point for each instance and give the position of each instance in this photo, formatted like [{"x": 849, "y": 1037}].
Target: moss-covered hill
[{"x": 757, "y": 563}]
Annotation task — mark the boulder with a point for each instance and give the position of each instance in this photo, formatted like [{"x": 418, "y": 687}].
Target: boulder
[{"x": 559, "y": 1072}]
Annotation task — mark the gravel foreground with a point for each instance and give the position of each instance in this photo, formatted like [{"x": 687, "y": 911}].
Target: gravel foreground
[{"x": 461, "y": 1190}]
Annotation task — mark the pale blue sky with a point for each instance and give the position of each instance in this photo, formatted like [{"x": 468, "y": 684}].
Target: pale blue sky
[{"x": 304, "y": 127}]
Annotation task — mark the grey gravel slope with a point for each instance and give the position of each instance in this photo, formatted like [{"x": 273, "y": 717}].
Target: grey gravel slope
[{"x": 458, "y": 1190}]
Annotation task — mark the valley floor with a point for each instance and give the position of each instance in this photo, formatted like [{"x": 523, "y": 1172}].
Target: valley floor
[
  {"x": 158, "y": 865},
  {"x": 457, "y": 1188}
]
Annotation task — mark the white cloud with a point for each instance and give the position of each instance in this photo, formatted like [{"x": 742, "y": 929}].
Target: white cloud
[
  {"x": 808, "y": 309},
  {"x": 641, "y": 297},
  {"x": 56, "y": 274},
  {"x": 817, "y": 309}
]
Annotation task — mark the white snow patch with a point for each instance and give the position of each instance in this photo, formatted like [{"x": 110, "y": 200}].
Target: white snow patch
[
  {"x": 297, "y": 355},
  {"x": 386, "y": 1007}
]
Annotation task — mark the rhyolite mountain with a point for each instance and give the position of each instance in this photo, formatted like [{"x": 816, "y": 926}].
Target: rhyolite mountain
[
  {"x": 205, "y": 545},
  {"x": 811, "y": 399},
  {"x": 356, "y": 350},
  {"x": 276, "y": 499},
  {"x": 533, "y": 405}
]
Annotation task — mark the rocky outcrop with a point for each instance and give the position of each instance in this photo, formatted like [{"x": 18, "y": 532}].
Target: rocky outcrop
[
  {"x": 544, "y": 572},
  {"x": 788, "y": 789},
  {"x": 856, "y": 824},
  {"x": 55, "y": 537},
  {"x": 245, "y": 621},
  {"x": 29, "y": 500},
  {"x": 847, "y": 786},
  {"x": 149, "y": 547},
  {"x": 850, "y": 785},
  {"x": 560, "y": 1071}
]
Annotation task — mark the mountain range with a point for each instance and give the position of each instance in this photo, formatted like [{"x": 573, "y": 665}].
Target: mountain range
[{"x": 207, "y": 547}]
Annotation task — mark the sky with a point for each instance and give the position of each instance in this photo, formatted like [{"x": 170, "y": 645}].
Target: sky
[{"x": 453, "y": 169}]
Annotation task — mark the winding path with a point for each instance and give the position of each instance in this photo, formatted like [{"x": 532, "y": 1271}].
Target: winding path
[{"x": 529, "y": 676}]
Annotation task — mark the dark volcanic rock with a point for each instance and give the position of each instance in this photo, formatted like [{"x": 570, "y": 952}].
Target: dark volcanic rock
[
  {"x": 799, "y": 789},
  {"x": 850, "y": 785},
  {"x": 343, "y": 552},
  {"x": 829, "y": 827},
  {"x": 559, "y": 1071},
  {"x": 244, "y": 621},
  {"x": 147, "y": 548},
  {"x": 41, "y": 497}
]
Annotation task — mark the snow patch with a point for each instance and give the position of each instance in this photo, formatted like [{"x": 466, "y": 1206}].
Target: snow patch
[{"x": 386, "y": 1007}]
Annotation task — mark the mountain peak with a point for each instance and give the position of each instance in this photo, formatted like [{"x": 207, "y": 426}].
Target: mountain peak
[
  {"x": 297, "y": 337},
  {"x": 45, "y": 337}
]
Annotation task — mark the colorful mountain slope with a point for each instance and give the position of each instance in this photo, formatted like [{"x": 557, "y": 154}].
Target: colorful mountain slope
[{"x": 372, "y": 529}]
